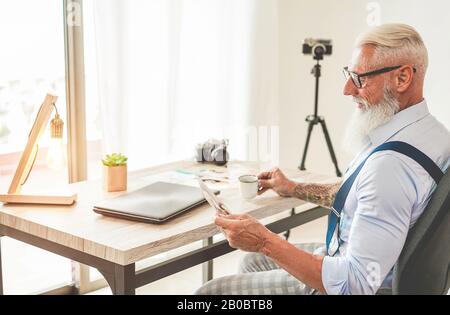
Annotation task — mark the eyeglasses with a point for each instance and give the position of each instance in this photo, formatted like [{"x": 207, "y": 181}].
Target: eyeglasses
[{"x": 360, "y": 83}]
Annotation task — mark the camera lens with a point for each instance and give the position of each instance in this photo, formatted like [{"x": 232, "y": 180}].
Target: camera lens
[{"x": 319, "y": 50}]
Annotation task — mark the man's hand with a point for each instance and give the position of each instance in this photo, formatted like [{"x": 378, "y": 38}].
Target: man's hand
[
  {"x": 276, "y": 180},
  {"x": 244, "y": 232}
]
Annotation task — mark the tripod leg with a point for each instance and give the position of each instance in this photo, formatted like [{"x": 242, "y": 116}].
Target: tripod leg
[
  {"x": 330, "y": 147},
  {"x": 305, "y": 150}
]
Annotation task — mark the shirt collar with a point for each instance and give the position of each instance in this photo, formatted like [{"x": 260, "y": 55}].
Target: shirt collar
[{"x": 400, "y": 120}]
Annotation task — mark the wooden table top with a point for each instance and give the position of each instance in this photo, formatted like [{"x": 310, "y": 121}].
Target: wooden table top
[{"x": 123, "y": 241}]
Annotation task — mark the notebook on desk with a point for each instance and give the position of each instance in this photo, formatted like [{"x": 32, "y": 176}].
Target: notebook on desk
[{"x": 155, "y": 203}]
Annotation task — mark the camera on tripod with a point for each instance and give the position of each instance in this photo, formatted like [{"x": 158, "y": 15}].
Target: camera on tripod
[{"x": 317, "y": 47}]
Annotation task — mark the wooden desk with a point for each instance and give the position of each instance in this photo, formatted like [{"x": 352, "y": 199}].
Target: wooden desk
[{"x": 113, "y": 246}]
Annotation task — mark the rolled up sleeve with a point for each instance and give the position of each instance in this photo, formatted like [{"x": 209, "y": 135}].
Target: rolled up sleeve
[{"x": 385, "y": 195}]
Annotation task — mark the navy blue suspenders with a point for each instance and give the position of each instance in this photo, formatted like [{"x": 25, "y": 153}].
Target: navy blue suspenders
[{"x": 341, "y": 196}]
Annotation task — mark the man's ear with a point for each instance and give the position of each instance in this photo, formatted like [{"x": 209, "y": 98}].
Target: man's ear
[{"x": 404, "y": 78}]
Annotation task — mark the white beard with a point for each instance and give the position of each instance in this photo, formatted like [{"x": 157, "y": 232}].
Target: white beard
[{"x": 366, "y": 119}]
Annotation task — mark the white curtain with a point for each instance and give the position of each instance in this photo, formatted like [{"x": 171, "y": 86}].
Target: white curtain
[{"x": 174, "y": 73}]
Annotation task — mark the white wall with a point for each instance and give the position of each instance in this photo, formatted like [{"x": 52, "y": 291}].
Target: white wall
[{"x": 342, "y": 21}]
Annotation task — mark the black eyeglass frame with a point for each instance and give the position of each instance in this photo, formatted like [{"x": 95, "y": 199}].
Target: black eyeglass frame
[{"x": 358, "y": 84}]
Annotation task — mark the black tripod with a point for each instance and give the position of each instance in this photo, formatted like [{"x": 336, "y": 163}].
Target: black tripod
[
  {"x": 312, "y": 121},
  {"x": 315, "y": 119}
]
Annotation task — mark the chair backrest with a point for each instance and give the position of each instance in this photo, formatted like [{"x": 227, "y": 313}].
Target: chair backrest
[{"x": 424, "y": 264}]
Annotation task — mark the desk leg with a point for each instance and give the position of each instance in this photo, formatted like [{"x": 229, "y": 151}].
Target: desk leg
[
  {"x": 1, "y": 272},
  {"x": 288, "y": 232},
  {"x": 122, "y": 280},
  {"x": 207, "y": 273}
]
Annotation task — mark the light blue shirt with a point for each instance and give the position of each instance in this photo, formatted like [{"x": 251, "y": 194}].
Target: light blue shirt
[{"x": 385, "y": 201}]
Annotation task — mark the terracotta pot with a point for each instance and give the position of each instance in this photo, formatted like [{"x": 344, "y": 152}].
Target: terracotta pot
[{"x": 115, "y": 178}]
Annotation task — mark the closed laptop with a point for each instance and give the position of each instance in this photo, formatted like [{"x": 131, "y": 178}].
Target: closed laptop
[{"x": 155, "y": 203}]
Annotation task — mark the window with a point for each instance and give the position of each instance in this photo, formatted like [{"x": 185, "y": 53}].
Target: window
[
  {"x": 162, "y": 76},
  {"x": 32, "y": 65}
]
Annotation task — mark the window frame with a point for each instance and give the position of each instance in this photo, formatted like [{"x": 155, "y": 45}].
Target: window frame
[{"x": 76, "y": 120}]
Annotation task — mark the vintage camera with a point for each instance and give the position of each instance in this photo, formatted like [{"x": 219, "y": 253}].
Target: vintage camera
[
  {"x": 317, "y": 47},
  {"x": 213, "y": 151}
]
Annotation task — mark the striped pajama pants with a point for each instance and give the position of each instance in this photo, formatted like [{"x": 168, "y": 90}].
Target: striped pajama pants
[{"x": 259, "y": 275}]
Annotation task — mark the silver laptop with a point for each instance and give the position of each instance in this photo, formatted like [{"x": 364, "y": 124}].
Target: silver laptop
[{"x": 155, "y": 203}]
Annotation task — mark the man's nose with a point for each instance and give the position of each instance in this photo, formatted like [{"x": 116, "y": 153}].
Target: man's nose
[{"x": 350, "y": 88}]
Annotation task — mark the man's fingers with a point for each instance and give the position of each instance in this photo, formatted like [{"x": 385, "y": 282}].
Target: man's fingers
[
  {"x": 225, "y": 222},
  {"x": 222, "y": 211},
  {"x": 266, "y": 183},
  {"x": 264, "y": 175},
  {"x": 235, "y": 216},
  {"x": 262, "y": 191},
  {"x": 230, "y": 221},
  {"x": 263, "y": 185}
]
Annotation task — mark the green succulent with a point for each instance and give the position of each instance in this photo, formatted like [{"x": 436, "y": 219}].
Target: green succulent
[{"x": 115, "y": 159}]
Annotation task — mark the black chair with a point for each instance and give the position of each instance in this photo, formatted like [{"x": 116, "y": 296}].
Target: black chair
[{"x": 424, "y": 263}]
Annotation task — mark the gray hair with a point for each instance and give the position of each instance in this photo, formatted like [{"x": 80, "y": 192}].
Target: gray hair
[{"x": 397, "y": 43}]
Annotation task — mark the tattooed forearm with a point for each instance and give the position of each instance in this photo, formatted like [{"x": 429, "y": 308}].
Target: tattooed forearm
[{"x": 320, "y": 194}]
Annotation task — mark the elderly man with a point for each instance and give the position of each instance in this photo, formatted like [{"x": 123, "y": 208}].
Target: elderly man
[{"x": 401, "y": 153}]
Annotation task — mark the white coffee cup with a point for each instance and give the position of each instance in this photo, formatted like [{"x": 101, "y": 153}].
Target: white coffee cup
[{"x": 249, "y": 186}]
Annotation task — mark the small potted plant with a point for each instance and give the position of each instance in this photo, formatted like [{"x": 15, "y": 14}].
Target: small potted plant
[{"x": 115, "y": 172}]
